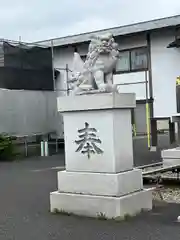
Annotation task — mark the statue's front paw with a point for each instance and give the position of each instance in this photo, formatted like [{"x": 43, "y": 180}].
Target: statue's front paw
[{"x": 102, "y": 88}]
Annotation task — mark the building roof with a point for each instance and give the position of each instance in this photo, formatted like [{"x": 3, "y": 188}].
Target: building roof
[{"x": 116, "y": 31}]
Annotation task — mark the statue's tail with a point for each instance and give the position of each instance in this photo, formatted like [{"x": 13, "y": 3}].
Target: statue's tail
[{"x": 78, "y": 64}]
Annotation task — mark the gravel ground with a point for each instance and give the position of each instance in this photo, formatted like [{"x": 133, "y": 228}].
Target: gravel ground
[
  {"x": 165, "y": 175},
  {"x": 169, "y": 194}
]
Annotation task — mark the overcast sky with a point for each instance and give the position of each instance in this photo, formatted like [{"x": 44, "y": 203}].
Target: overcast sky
[{"x": 43, "y": 19}]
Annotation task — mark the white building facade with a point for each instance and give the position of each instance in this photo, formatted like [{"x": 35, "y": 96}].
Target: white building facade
[{"x": 147, "y": 65}]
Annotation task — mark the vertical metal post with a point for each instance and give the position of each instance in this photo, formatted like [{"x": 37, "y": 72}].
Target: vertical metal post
[
  {"x": 20, "y": 39},
  {"x": 133, "y": 123},
  {"x": 46, "y": 148},
  {"x": 67, "y": 85},
  {"x": 42, "y": 148},
  {"x": 26, "y": 146},
  {"x": 147, "y": 113},
  {"x": 154, "y": 132},
  {"x": 178, "y": 133},
  {"x": 148, "y": 38},
  {"x": 20, "y": 54},
  {"x": 53, "y": 73},
  {"x": 146, "y": 81},
  {"x": 56, "y": 144},
  {"x": 172, "y": 131}
]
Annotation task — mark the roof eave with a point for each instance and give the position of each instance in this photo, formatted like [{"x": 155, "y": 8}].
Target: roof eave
[{"x": 168, "y": 22}]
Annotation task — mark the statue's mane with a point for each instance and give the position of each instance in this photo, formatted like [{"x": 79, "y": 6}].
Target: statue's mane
[{"x": 95, "y": 49}]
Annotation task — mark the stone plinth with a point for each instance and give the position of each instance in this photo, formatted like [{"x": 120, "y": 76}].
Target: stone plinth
[
  {"x": 99, "y": 176},
  {"x": 171, "y": 157}
]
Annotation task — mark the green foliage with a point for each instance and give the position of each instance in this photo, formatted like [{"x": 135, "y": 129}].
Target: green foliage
[{"x": 7, "y": 150}]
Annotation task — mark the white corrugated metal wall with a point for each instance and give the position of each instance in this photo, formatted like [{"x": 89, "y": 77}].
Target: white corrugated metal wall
[{"x": 27, "y": 112}]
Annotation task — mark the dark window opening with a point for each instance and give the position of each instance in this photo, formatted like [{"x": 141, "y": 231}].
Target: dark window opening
[{"x": 132, "y": 60}]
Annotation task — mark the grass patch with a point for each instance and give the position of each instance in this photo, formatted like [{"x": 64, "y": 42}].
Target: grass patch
[
  {"x": 101, "y": 216},
  {"x": 62, "y": 212}
]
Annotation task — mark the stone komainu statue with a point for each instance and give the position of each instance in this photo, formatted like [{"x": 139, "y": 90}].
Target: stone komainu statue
[{"x": 96, "y": 73}]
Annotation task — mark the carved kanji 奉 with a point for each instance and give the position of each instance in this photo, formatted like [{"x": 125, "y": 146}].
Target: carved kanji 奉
[{"x": 87, "y": 141}]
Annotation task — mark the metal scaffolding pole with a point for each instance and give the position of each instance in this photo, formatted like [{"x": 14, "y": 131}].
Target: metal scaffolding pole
[
  {"x": 147, "y": 113},
  {"x": 53, "y": 73}
]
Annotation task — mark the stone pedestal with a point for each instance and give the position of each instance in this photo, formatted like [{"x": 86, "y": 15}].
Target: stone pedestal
[{"x": 99, "y": 177}]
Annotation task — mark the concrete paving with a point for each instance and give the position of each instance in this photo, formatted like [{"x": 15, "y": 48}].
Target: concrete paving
[{"x": 24, "y": 210}]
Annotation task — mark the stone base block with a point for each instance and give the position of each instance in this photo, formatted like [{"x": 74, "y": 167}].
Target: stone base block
[
  {"x": 171, "y": 157},
  {"x": 171, "y": 162},
  {"x": 104, "y": 184},
  {"x": 171, "y": 153},
  {"x": 93, "y": 206}
]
